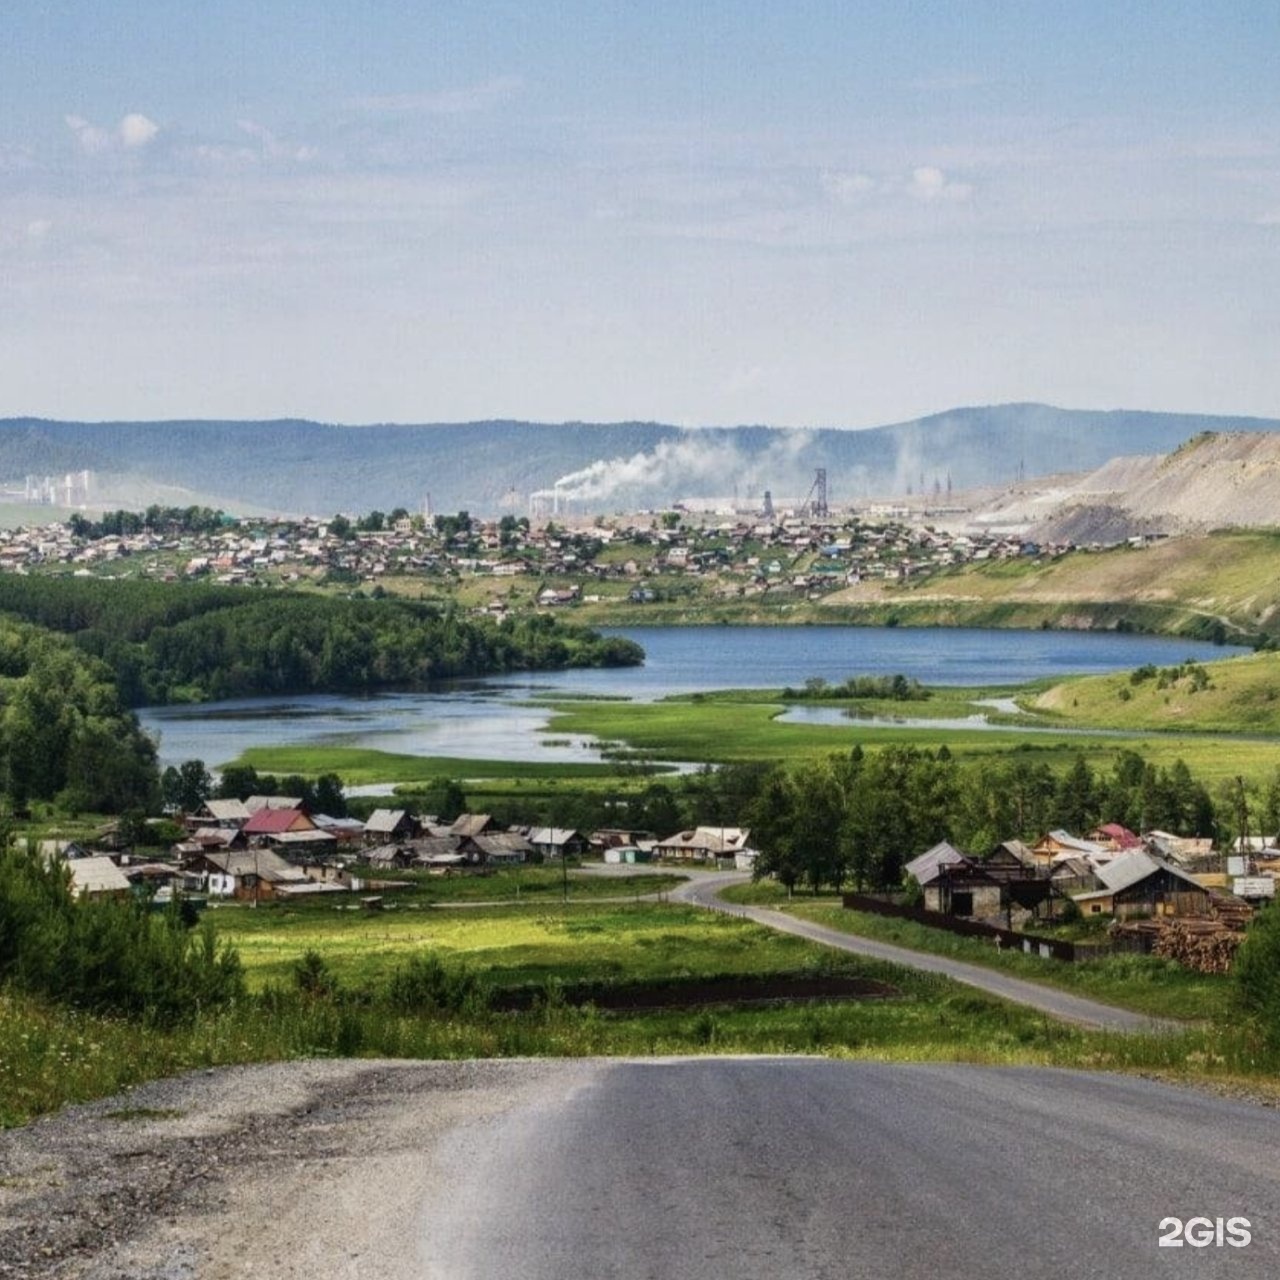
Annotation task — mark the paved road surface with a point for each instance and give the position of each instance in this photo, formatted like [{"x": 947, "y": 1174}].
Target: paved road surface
[
  {"x": 676, "y": 1169},
  {"x": 804, "y": 1169},
  {"x": 702, "y": 891}
]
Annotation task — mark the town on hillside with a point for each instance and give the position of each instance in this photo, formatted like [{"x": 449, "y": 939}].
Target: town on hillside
[{"x": 638, "y": 559}]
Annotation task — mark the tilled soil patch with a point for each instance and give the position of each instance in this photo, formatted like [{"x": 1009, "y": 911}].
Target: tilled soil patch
[{"x": 697, "y": 993}]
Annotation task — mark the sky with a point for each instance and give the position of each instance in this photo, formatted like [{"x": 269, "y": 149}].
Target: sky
[{"x": 703, "y": 212}]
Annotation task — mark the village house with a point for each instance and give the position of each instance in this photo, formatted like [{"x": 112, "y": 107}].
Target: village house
[
  {"x": 220, "y": 813},
  {"x": 1059, "y": 844},
  {"x": 558, "y": 842},
  {"x": 1140, "y": 884},
  {"x": 703, "y": 844},
  {"x": 269, "y": 821},
  {"x": 249, "y": 875},
  {"x": 389, "y": 825},
  {"x": 97, "y": 878}
]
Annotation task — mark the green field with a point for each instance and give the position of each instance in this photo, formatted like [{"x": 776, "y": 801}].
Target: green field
[
  {"x": 360, "y": 765},
  {"x": 50, "y": 1055},
  {"x": 1236, "y": 696},
  {"x": 1146, "y": 984},
  {"x": 511, "y": 946}
]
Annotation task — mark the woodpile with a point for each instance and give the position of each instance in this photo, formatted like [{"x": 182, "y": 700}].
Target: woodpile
[
  {"x": 1204, "y": 945},
  {"x": 1207, "y": 944},
  {"x": 1235, "y": 913}
]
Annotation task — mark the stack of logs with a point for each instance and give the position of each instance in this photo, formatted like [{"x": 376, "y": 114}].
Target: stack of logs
[{"x": 1207, "y": 944}]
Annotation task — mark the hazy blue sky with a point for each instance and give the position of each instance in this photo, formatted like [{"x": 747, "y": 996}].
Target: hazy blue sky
[{"x": 796, "y": 213}]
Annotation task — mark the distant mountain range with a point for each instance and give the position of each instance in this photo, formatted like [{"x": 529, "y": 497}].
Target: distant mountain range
[{"x": 308, "y": 467}]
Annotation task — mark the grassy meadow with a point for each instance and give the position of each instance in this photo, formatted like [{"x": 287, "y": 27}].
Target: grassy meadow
[{"x": 51, "y": 1056}]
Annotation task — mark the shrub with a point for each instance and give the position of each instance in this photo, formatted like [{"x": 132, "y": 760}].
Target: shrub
[
  {"x": 106, "y": 955},
  {"x": 1257, "y": 972},
  {"x": 313, "y": 977},
  {"x": 425, "y": 985}
]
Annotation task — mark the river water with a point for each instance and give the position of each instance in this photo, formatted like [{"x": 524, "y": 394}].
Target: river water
[{"x": 493, "y": 718}]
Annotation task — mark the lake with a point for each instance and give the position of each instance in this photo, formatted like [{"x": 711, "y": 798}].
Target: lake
[{"x": 491, "y": 718}]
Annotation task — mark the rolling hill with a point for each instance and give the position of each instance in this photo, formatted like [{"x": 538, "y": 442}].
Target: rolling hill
[{"x": 293, "y": 466}]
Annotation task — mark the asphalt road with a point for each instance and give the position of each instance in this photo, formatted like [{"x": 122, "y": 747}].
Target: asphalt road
[
  {"x": 671, "y": 1169},
  {"x": 703, "y": 890},
  {"x": 806, "y": 1169}
]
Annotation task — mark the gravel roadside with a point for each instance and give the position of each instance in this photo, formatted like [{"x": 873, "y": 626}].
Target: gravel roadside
[{"x": 202, "y": 1175}]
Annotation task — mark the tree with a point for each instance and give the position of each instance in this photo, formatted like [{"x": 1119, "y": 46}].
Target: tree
[
  {"x": 328, "y": 796},
  {"x": 1076, "y": 798},
  {"x": 187, "y": 787}
]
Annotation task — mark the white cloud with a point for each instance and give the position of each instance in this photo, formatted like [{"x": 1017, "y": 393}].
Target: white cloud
[
  {"x": 1271, "y": 219},
  {"x": 137, "y": 130},
  {"x": 89, "y": 136},
  {"x": 38, "y": 228},
  {"x": 928, "y": 183},
  {"x": 134, "y": 132},
  {"x": 445, "y": 102}
]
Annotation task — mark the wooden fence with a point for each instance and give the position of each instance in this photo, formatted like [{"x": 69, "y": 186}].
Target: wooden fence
[{"x": 1029, "y": 943}]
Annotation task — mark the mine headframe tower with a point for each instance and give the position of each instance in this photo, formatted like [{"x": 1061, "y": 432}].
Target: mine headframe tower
[{"x": 816, "y": 503}]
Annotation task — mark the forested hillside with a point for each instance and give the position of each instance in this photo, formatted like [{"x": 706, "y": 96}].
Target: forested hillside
[
  {"x": 182, "y": 642},
  {"x": 64, "y": 733}
]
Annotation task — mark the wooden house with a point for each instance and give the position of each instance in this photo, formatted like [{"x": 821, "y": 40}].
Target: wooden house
[
  {"x": 220, "y": 813},
  {"x": 248, "y": 875},
  {"x": 1060, "y": 844},
  {"x": 384, "y": 825},
  {"x": 97, "y": 878},
  {"x": 1139, "y": 884},
  {"x": 703, "y": 844},
  {"x": 268, "y": 821},
  {"x": 473, "y": 824},
  {"x": 558, "y": 842}
]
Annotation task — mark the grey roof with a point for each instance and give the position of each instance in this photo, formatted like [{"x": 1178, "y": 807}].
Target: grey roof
[
  {"x": 1074, "y": 843},
  {"x": 470, "y": 824},
  {"x": 254, "y": 803},
  {"x": 554, "y": 836},
  {"x": 1135, "y": 866},
  {"x": 227, "y": 810},
  {"x": 1019, "y": 850},
  {"x": 503, "y": 844},
  {"x": 927, "y": 867},
  {"x": 435, "y": 846},
  {"x": 385, "y": 820},
  {"x": 248, "y": 862},
  {"x": 97, "y": 875}
]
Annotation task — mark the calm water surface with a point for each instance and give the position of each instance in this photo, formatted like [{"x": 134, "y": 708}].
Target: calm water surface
[{"x": 490, "y": 719}]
